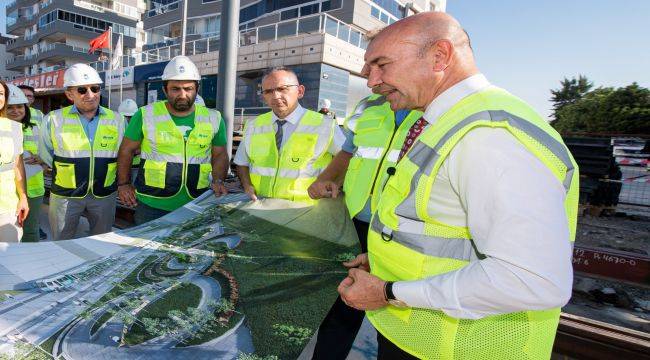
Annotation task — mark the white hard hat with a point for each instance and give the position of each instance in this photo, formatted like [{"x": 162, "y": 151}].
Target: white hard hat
[
  {"x": 81, "y": 74},
  {"x": 16, "y": 96},
  {"x": 128, "y": 107},
  {"x": 325, "y": 103},
  {"x": 199, "y": 100},
  {"x": 181, "y": 68}
]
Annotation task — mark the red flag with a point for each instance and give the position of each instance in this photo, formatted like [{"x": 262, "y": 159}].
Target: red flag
[{"x": 99, "y": 42}]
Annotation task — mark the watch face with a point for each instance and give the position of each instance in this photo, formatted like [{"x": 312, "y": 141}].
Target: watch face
[{"x": 397, "y": 303}]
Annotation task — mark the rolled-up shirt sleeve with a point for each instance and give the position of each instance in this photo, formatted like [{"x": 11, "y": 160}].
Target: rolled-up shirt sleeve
[
  {"x": 516, "y": 216},
  {"x": 241, "y": 156},
  {"x": 338, "y": 140},
  {"x": 348, "y": 145}
]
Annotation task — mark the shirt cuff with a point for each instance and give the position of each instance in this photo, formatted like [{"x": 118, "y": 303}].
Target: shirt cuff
[
  {"x": 435, "y": 293},
  {"x": 411, "y": 292}
]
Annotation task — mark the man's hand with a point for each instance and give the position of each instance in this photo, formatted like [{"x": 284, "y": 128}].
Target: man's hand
[
  {"x": 360, "y": 262},
  {"x": 22, "y": 210},
  {"x": 323, "y": 189},
  {"x": 250, "y": 191},
  {"x": 219, "y": 188},
  {"x": 126, "y": 193},
  {"x": 34, "y": 160},
  {"x": 362, "y": 291}
]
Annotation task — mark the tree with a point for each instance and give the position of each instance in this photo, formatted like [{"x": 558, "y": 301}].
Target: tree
[
  {"x": 624, "y": 110},
  {"x": 569, "y": 92}
]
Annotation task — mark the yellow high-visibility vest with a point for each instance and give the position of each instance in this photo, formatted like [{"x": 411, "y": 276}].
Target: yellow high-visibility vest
[{"x": 406, "y": 243}]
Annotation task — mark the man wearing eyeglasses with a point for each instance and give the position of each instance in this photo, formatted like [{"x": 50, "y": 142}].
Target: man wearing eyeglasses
[
  {"x": 284, "y": 150},
  {"x": 81, "y": 143}
]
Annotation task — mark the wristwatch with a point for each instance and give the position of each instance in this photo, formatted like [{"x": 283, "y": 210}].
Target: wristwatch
[
  {"x": 390, "y": 297},
  {"x": 217, "y": 181}
]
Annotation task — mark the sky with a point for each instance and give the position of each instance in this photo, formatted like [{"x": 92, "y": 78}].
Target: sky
[{"x": 528, "y": 47}]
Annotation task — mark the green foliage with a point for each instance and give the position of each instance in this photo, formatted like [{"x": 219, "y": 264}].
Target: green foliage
[
  {"x": 348, "y": 256},
  {"x": 251, "y": 356},
  {"x": 224, "y": 306},
  {"x": 294, "y": 335},
  {"x": 26, "y": 351},
  {"x": 624, "y": 110},
  {"x": 570, "y": 92}
]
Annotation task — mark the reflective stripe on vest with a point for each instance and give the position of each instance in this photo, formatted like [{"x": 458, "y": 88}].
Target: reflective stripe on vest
[
  {"x": 302, "y": 158},
  {"x": 405, "y": 243},
  {"x": 168, "y": 161},
  {"x": 375, "y": 137},
  {"x": 78, "y": 167},
  {"x": 36, "y": 182},
  {"x": 36, "y": 116}
]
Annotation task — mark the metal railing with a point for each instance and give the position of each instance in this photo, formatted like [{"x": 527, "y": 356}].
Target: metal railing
[
  {"x": 244, "y": 114},
  {"x": 162, "y": 9},
  {"x": 311, "y": 24}
]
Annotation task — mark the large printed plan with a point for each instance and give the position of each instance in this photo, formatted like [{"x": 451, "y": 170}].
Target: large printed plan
[{"x": 216, "y": 279}]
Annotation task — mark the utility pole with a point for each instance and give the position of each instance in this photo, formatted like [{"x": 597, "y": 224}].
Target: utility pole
[
  {"x": 183, "y": 28},
  {"x": 228, "y": 45}
]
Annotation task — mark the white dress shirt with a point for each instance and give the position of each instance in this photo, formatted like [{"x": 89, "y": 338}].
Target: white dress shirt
[
  {"x": 514, "y": 208},
  {"x": 241, "y": 156}
]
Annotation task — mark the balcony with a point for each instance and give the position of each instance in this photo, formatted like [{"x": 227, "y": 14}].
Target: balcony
[
  {"x": 311, "y": 24},
  {"x": 56, "y": 32},
  {"x": 162, "y": 9},
  {"x": 18, "y": 63},
  {"x": 116, "y": 7},
  {"x": 59, "y": 51}
]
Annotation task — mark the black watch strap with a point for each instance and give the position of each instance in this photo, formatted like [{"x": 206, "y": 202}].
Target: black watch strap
[{"x": 388, "y": 291}]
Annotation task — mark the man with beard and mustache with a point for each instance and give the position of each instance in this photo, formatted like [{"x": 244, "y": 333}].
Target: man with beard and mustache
[
  {"x": 469, "y": 247},
  {"x": 181, "y": 143},
  {"x": 80, "y": 143},
  {"x": 285, "y": 149}
]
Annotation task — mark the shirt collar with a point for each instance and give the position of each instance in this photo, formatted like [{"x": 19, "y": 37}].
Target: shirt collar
[
  {"x": 294, "y": 117},
  {"x": 100, "y": 111},
  {"x": 453, "y": 95}
]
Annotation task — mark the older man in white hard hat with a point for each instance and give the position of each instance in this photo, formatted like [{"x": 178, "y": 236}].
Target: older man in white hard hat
[
  {"x": 181, "y": 144},
  {"x": 81, "y": 143}
]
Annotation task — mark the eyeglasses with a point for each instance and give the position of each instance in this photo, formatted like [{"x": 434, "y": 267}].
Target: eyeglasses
[
  {"x": 281, "y": 89},
  {"x": 83, "y": 90}
]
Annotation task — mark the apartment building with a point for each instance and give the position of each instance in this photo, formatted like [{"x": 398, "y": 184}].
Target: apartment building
[
  {"x": 321, "y": 40},
  {"x": 54, "y": 34}
]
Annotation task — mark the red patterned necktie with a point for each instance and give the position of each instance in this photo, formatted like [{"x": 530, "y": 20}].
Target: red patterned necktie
[{"x": 413, "y": 134}]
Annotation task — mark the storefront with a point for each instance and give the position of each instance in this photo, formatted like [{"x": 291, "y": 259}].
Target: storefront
[
  {"x": 49, "y": 90},
  {"x": 148, "y": 83}
]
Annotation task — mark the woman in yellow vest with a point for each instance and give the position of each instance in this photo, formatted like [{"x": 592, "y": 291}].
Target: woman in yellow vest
[
  {"x": 13, "y": 197},
  {"x": 19, "y": 111}
]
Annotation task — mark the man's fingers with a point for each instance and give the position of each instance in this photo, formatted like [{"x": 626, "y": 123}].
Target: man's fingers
[
  {"x": 335, "y": 191},
  {"x": 344, "y": 285}
]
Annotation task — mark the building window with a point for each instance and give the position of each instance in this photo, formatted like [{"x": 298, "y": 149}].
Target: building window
[{"x": 289, "y": 14}]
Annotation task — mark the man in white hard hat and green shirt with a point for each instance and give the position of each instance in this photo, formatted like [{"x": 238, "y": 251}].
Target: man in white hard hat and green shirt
[
  {"x": 82, "y": 141},
  {"x": 181, "y": 144}
]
